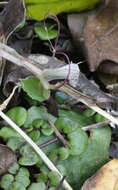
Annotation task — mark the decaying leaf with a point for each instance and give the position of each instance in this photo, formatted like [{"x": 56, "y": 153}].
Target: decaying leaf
[
  {"x": 7, "y": 158},
  {"x": 105, "y": 179},
  {"x": 10, "y": 18},
  {"x": 98, "y": 33},
  {"x": 100, "y": 36}
]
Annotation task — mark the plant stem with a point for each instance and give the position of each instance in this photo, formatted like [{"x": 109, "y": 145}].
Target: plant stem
[{"x": 96, "y": 125}]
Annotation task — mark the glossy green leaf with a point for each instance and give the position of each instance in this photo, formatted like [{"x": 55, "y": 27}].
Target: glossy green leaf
[
  {"x": 6, "y": 181},
  {"x": 84, "y": 166},
  {"x": 88, "y": 112},
  {"x": 42, "y": 177},
  {"x": 37, "y": 186},
  {"x": 78, "y": 141},
  {"x": 15, "y": 142},
  {"x": 47, "y": 130},
  {"x": 63, "y": 153},
  {"x": 31, "y": 85},
  {"x": 28, "y": 156},
  {"x": 17, "y": 186},
  {"x": 7, "y": 132},
  {"x": 37, "y": 123},
  {"x": 18, "y": 115},
  {"x": 54, "y": 178},
  {"x": 99, "y": 118},
  {"x": 77, "y": 117},
  {"x": 37, "y": 113},
  {"x": 23, "y": 177},
  {"x": 34, "y": 135},
  {"x": 37, "y": 9},
  {"x": 48, "y": 34},
  {"x": 14, "y": 168},
  {"x": 66, "y": 124}
]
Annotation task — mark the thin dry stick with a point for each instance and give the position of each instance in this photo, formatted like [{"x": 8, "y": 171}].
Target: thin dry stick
[
  {"x": 96, "y": 125},
  {"x": 6, "y": 102},
  {"x": 46, "y": 160},
  {"x": 85, "y": 100},
  {"x": 11, "y": 55},
  {"x": 60, "y": 137}
]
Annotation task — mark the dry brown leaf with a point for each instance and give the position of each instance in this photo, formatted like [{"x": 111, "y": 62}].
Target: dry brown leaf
[
  {"x": 101, "y": 36},
  {"x": 105, "y": 179},
  {"x": 7, "y": 158}
]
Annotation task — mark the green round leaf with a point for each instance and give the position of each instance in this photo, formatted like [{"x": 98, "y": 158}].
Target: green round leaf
[
  {"x": 47, "y": 131},
  {"x": 15, "y": 143},
  {"x": 54, "y": 178},
  {"x": 88, "y": 112},
  {"x": 6, "y": 181},
  {"x": 18, "y": 115},
  {"x": 42, "y": 177},
  {"x": 78, "y": 141},
  {"x": 34, "y": 135},
  {"x": 31, "y": 85},
  {"x": 99, "y": 118},
  {"x": 66, "y": 124},
  {"x": 17, "y": 186},
  {"x": 14, "y": 168},
  {"x": 37, "y": 186},
  {"x": 62, "y": 169},
  {"x": 7, "y": 132},
  {"x": 23, "y": 177},
  {"x": 43, "y": 34},
  {"x": 63, "y": 153},
  {"x": 28, "y": 156},
  {"x": 37, "y": 123}
]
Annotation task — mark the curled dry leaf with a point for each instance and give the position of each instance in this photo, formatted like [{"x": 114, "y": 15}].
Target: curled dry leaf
[
  {"x": 105, "y": 179},
  {"x": 98, "y": 34},
  {"x": 10, "y": 18},
  {"x": 7, "y": 158}
]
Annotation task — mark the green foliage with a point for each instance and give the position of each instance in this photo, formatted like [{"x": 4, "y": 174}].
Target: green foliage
[
  {"x": 37, "y": 9},
  {"x": 18, "y": 115},
  {"x": 37, "y": 186},
  {"x": 48, "y": 34},
  {"x": 54, "y": 178},
  {"x": 84, "y": 155},
  {"x": 28, "y": 156},
  {"x": 32, "y": 86},
  {"x": 14, "y": 168},
  {"x": 23, "y": 177},
  {"x": 6, "y": 181},
  {"x": 7, "y": 132},
  {"x": 17, "y": 186},
  {"x": 78, "y": 141}
]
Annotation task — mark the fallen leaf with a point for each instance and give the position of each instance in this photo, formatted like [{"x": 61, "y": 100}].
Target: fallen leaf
[
  {"x": 105, "y": 179},
  {"x": 38, "y": 9},
  {"x": 7, "y": 158},
  {"x": 101, "y": 36},
  {"x": 97, "y": 33},
  {"x": 10, "y": 18}
]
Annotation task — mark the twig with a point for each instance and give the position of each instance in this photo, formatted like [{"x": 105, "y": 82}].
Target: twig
[
  {"x": 60, "y": 184},
  {"x": 48, "y": 142},
  {"x": 96, "y": 125},
  {"x": 6, "y": 102},
  {"x": 87, "y": 101},
  {"x": 46, "y": 160},
  {"x": 58, "y": 134}
]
